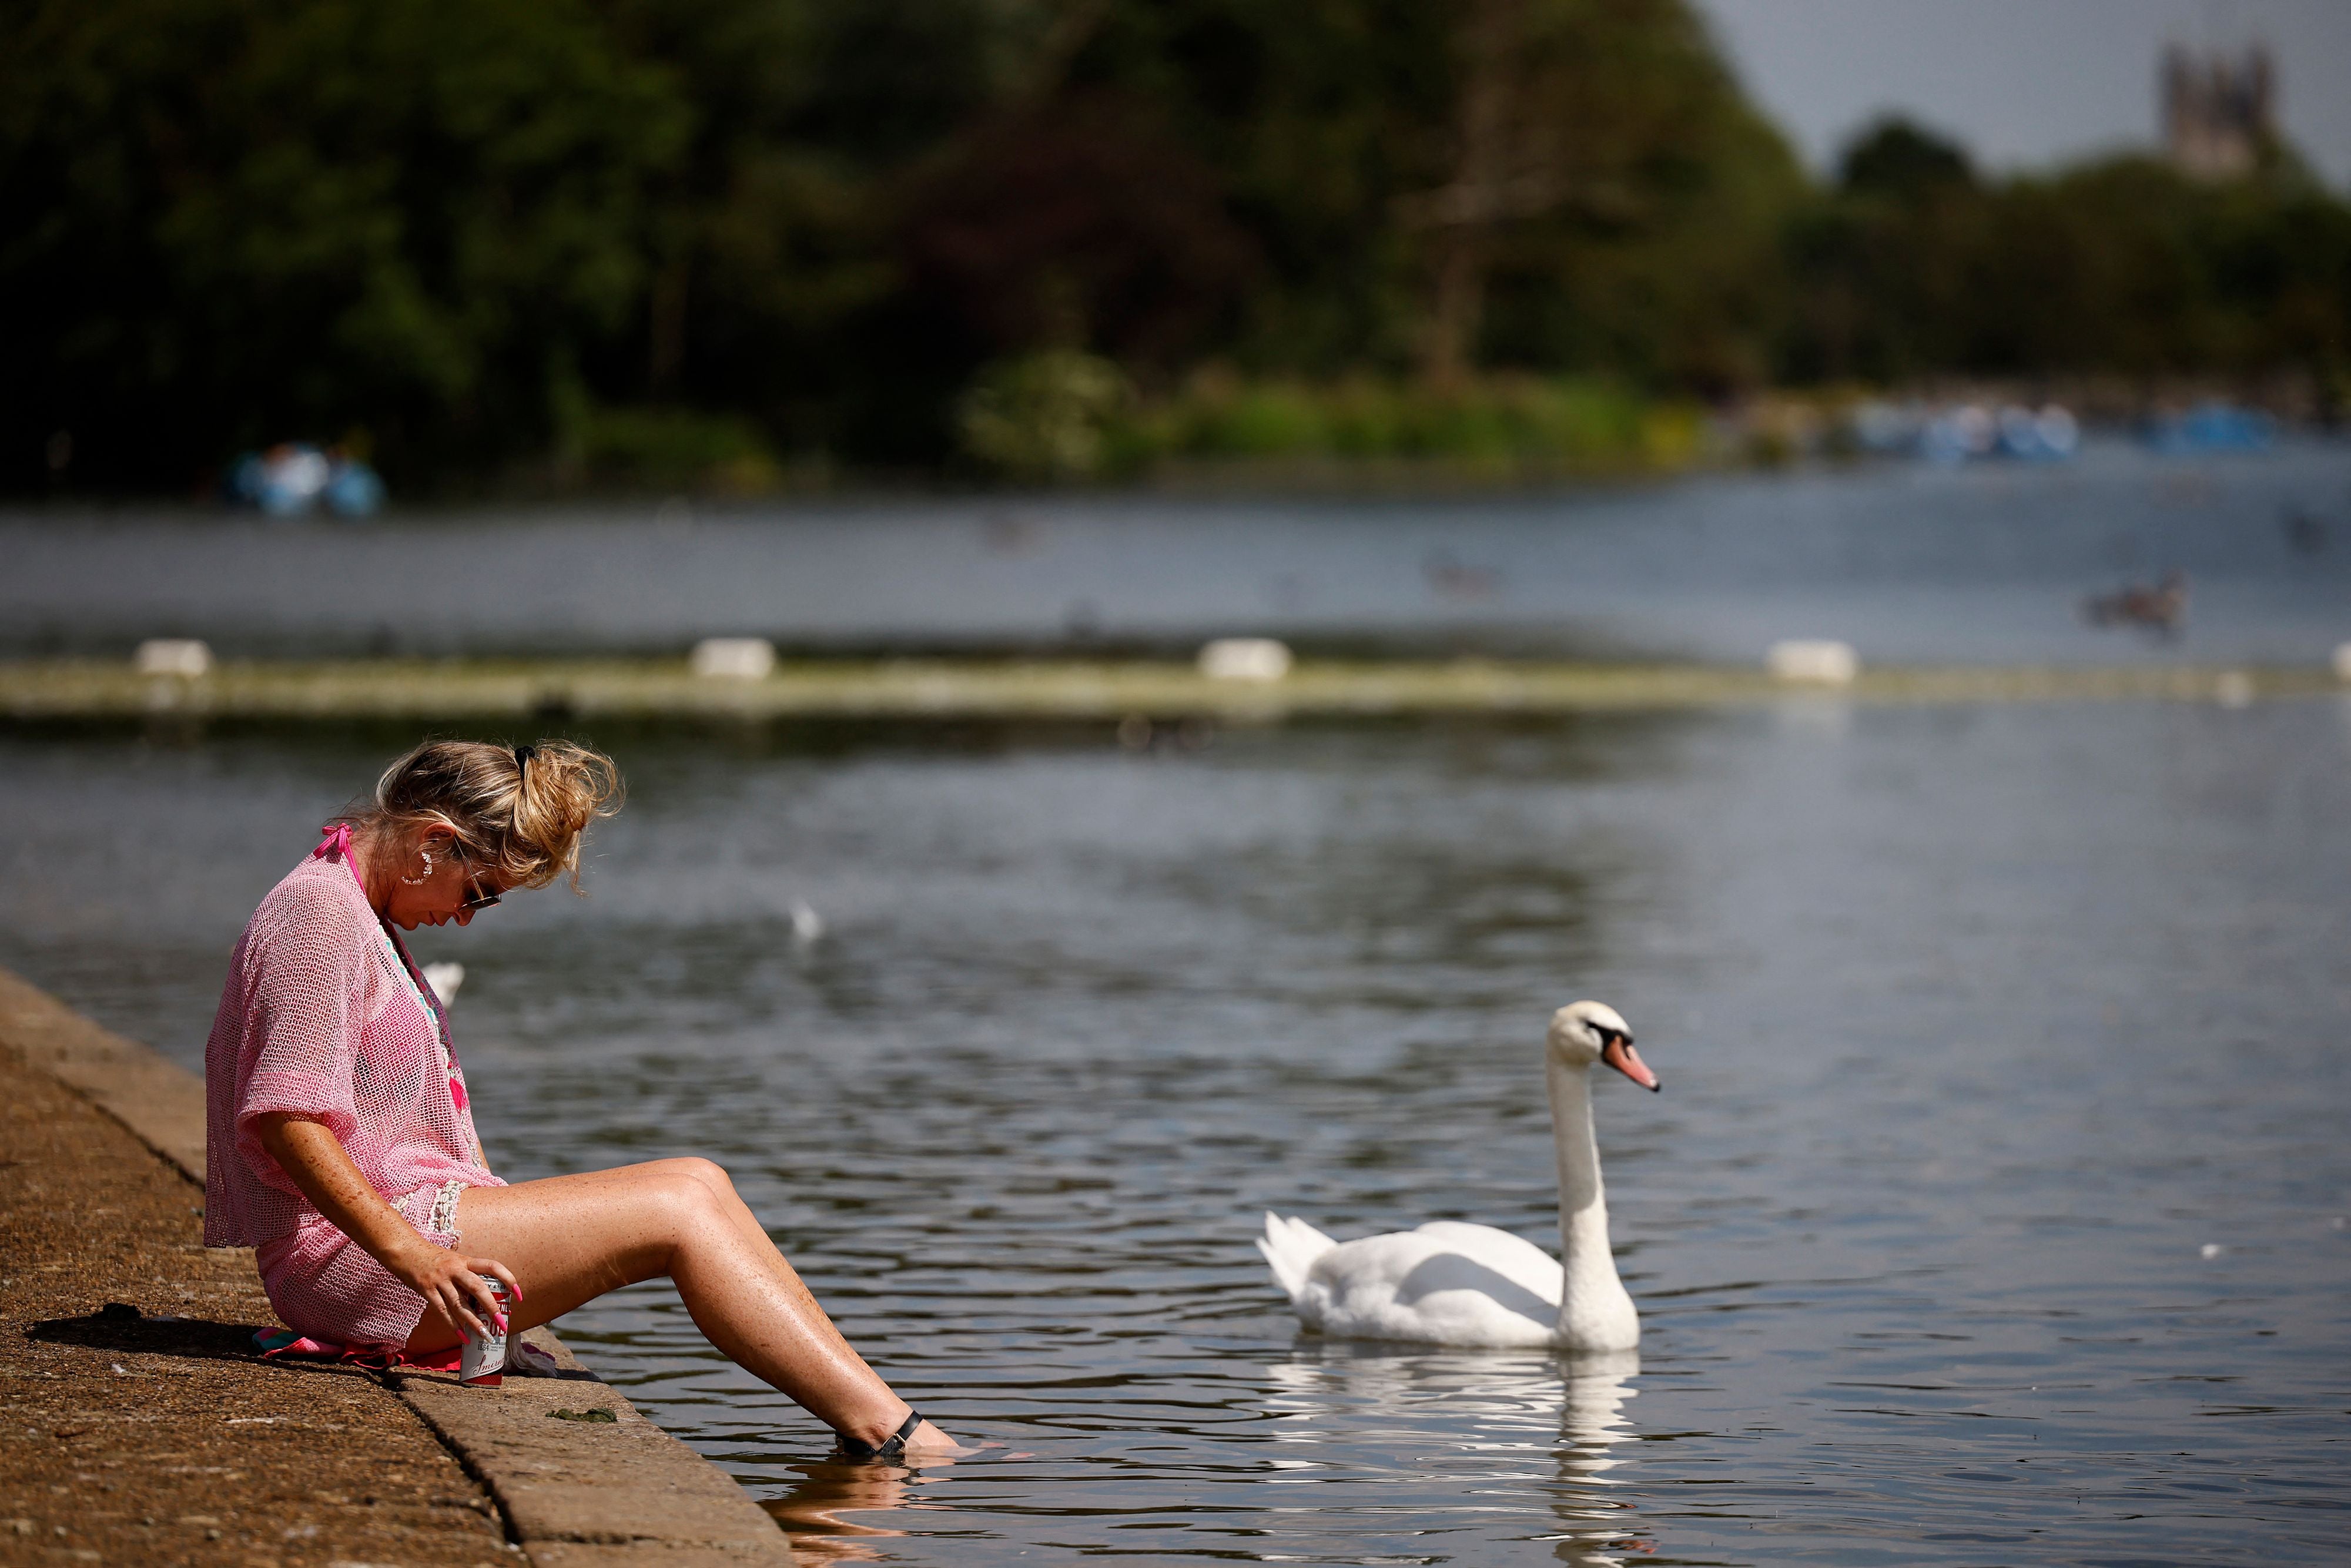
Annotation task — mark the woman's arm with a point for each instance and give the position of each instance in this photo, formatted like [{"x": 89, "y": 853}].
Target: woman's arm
[{"x": 315, "y": 1161}]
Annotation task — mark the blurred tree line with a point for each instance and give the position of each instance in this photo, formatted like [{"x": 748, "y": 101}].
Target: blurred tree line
[
  {"x": 493, "y": 236},
  {"x": 1914, "y": 264}
]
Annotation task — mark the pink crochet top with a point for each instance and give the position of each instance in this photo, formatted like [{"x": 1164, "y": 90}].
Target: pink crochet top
[{"x": 326, "y": 1015}]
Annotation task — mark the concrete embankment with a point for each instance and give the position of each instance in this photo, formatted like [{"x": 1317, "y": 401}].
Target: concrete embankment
[
  {"x": 426, "y": 691},
  {"x": 140, "y": 1427}
]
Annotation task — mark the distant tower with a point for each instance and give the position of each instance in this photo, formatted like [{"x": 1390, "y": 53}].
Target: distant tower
[{"x": 2218, "y": 114}]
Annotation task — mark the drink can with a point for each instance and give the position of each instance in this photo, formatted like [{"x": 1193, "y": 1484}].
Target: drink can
[{"x": 482, "y": 1361}]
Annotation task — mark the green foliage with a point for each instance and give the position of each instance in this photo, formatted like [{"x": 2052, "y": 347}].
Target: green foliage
[
  {"x": 1043, "y": 417},
  {"x": 1494, "y": 427},
  {"x": 246, "y": 221},
  {"x": 1902, "y": 162},
  {"x": 1659, "y": 261},
  {"x": 671, "y": 449},
  {"x": 655, "y": 241},
  {"x": 2123, "y": 266}
]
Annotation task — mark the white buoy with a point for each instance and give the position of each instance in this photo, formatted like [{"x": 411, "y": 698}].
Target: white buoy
[
  {"x": 173, "y": 656},
  {"x": 1813, "y": 661},
  {"x": 734, "y": 658},
  {"x": 445, "y": 979},
  {"x": 2343, "y": 662},
  {"x": 1244, "y": 659},
  {"x": 2233, "y": 688},
  {"x": 808, "y": 926}
]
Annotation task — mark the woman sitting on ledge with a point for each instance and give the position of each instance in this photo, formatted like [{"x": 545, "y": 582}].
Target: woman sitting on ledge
[{"x": 341, "y": 1145}]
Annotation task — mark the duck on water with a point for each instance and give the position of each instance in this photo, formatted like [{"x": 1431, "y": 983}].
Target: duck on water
[{"x": 1474, "y": 1286}]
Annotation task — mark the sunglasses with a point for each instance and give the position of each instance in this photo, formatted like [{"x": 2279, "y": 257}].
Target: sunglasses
[{"x": 474, "y": 897}]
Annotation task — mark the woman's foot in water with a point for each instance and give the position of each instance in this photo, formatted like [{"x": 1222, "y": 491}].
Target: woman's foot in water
[{"x": 927, "y": 1442}]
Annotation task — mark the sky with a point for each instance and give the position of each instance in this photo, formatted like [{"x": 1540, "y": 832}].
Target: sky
[{"x": 2026, "y": 83}]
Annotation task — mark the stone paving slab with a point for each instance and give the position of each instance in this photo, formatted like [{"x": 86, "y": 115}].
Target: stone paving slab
[{"x": 571, "y": 1493}]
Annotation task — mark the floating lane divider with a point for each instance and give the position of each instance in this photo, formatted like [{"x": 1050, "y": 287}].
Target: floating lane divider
[
  {"x": 1044, "y": 689},
  {"x": 605, "y": 1492}
]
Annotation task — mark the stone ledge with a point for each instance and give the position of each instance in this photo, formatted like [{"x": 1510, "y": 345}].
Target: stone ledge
[
  {"x": 572, "y": 1484},
  {"x": 572, "y": 1494},
  {"x": 643, "y": 1555},
  {"x": 159, "y": 1101}
]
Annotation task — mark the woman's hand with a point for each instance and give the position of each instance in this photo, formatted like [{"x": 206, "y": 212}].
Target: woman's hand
[
  {"x": 451, "y": 1283},
  {"x": 309, "y": 1153}
]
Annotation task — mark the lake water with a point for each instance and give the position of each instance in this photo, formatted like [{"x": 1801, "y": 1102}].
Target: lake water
[
  {"x": 1911, "y": 563},
  {"x": 1993, "y": 1211}
]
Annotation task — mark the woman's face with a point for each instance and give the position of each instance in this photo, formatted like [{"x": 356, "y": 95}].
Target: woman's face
[{"x": 454, "y": 891}]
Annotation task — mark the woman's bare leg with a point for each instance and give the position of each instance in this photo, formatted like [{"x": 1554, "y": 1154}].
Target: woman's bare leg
[{"x": 569, "y": 1239}]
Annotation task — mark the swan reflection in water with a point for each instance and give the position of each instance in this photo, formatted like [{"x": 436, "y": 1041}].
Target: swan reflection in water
[
  {"x": 811, "y": 1514},
  {"x": 1550, "y": 1426}
]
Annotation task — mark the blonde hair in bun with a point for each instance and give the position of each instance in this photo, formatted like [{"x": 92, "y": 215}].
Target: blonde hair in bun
[{"x": 518, "y": 811}]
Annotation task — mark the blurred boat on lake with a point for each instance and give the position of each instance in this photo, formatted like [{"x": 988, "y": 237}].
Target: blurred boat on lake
[
  {"x": 292, "y": 477},
  {"x": 2212, "y": 426},
  {"x": 1952, "y": 435}
]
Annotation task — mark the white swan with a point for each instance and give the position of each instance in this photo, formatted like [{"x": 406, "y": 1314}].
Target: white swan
[
  {"x": 445, "y": 979},
  {"x": 1458, "y": 1284}
]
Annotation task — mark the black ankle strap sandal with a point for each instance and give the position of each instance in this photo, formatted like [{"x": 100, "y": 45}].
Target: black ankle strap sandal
[{"x": 890, "y": 1447}]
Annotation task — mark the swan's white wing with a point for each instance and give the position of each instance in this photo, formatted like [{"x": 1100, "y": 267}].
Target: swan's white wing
[
  {"x": 1514, "y": 1258},
  {"x": 1444, "y": 1283}
]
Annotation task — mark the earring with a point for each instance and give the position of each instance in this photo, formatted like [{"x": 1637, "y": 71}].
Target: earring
[{"x": 424, "y": 875}]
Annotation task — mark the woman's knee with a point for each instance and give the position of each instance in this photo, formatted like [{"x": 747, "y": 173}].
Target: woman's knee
[
  {"x": 711, "y": 1176},
  {"x": 695, "y": 1188}
]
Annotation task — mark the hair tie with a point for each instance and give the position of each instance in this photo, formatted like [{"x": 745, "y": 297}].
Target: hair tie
[{"x": 524, "y": 754}]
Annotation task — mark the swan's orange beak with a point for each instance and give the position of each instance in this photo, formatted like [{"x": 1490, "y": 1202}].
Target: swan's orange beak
[{"x": 1619, "y": 1054}]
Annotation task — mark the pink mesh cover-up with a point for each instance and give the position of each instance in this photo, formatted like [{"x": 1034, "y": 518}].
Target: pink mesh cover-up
[{"x": 324, "y": 1015}]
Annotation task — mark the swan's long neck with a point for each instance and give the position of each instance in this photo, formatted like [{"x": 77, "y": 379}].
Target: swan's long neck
[{"x": 1591, "y": 1283}]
